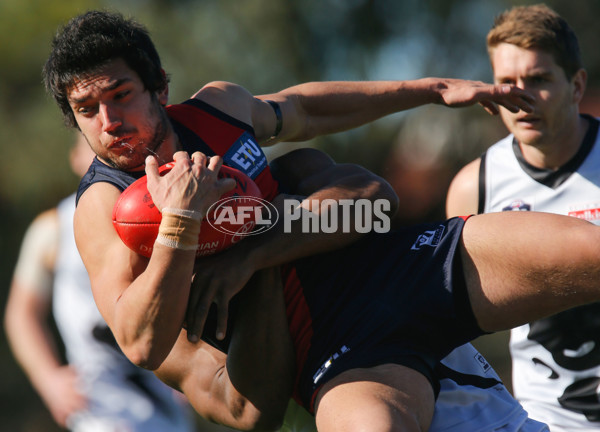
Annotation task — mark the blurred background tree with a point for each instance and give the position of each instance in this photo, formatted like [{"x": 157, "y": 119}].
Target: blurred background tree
[{"x": 264, "y": 45}]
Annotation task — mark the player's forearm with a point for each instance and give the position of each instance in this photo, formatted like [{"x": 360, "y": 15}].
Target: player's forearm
[
  {"x": 320, "y": 108},
  {"x": 149, "y": 315},
  {"x": 31, "y": 341},
  {"x": 308, "y": 233},
  {"x": 352, "y": 203}
]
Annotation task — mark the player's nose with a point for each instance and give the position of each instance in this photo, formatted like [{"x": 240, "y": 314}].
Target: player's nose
[{"x": 110, "y": 116}]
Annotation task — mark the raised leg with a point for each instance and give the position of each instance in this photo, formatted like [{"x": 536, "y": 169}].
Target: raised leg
[{"x": 522, "y": 266}]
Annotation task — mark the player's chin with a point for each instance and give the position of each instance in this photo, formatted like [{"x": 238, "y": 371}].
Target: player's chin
[
  {"x": 527, "y": 134},
  {"x": 128, "y": 162}
]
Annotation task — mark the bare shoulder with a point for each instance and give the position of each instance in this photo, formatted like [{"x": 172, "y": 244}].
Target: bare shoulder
[
  {"x": 45, "y": 225},
  {"x": 463, "y": 193},
  {"x": 228, "y": 97},
  {"x": 38, "y": 250},
  {"x": 93, "y": 226},
  {"x": 95, "y": 207},
  {"x": 215, "y": 88},
  {"x": 239, "y": 103}
]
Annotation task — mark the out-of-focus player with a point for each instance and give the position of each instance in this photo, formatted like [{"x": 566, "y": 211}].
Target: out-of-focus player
[{"x": 99, "y": 389}]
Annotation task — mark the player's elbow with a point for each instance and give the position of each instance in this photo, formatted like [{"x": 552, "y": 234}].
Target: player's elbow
[
  {"x": 140, "y": 358},
  {"x": 253, "y": 413},
  {"x": 144, "y": 355},
  {"x": 253, "y": 419},
  {"x": 384, "y": 192},
  {"x": 375, "y": 189}
]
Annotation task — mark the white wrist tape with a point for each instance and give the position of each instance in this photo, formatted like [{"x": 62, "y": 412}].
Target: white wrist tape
[{"x": 179, "y": 231}]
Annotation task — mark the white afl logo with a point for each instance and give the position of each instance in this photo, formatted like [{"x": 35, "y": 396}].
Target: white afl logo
[{"x": 241, "y": 216}]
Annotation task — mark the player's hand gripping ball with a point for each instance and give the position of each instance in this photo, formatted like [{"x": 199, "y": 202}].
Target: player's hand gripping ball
[{"x": 136, "y": 218}]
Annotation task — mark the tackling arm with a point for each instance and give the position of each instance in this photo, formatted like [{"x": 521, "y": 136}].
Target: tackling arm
[
  {"x": 318, "y": 108},
  {"x": 311, "y": 176}
]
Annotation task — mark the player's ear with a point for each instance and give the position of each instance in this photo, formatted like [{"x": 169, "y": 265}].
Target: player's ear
[
  {"x": 579, "y": 81},
  {"x": 163, "y": 95}
]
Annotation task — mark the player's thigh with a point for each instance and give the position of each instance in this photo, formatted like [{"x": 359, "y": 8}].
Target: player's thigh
[
  {"x": 522, "y": 266},
  {"x": 388, "y": 397}
]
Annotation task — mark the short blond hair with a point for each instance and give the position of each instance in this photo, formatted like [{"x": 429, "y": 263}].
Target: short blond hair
[{"x": 538, "y": 27}]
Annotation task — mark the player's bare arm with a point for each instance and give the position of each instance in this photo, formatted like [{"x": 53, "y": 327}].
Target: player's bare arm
[
  {"x": 463, "y": 194},
  {"x": 144, "y": 301},
  {"x": 310, "y": 176},
  {"x": 131, "y": 294},
  {"x": 26, "y": 320},
  {"x": 318, "y": 108}
]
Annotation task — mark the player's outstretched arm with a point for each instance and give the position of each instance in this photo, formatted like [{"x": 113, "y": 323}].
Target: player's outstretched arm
[{"x": 318, "y": 108}]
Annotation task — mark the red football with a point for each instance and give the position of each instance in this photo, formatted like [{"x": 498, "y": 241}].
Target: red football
[{"x": 136, "y": 218}]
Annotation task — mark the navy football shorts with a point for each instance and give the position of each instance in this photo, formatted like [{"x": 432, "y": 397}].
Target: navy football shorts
[{"x": 395, "y": 298}]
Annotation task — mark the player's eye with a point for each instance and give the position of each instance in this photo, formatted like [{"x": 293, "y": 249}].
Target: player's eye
[
  {"x": 86, "y": 110},
  {"x": 507, "y": 81},
  {"x": 122, "y": 94}
]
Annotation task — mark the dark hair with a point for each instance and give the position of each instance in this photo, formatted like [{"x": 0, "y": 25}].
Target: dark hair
[
  {"x": 538, "y": 27},
  {"x": 91, "y": 40}
]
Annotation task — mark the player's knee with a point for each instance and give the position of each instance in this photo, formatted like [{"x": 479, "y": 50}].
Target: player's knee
[
  {"x": 368, "y": 420},
  {"x": 384, "y": 398}
]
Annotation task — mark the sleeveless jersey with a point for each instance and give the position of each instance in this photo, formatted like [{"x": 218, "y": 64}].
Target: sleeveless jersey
[
  {"x": 120, "y": 395},
  {"x": 556, "y": 361},
  {"x": 473, "y": 398}
]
